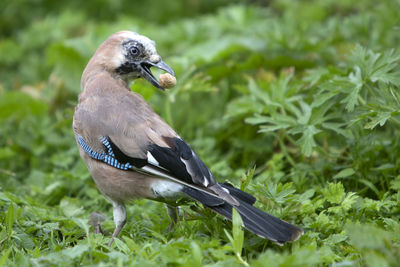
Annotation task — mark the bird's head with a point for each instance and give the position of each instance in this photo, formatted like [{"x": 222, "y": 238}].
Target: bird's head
[{"x": 129, "y": 55}]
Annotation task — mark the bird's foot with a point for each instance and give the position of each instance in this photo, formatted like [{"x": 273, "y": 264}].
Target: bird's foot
[{"x": 95, "y": 220}]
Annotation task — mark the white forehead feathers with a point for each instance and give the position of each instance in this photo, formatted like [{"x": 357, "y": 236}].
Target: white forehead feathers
[{"x": 149, "y": 45}]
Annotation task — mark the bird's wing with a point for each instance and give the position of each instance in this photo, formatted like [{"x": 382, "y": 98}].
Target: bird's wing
[{"x": 128, "y": 134}]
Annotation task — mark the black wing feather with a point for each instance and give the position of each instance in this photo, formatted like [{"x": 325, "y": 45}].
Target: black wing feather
[
  {"x": 182, "y": 162},
  {"x": 172, "y": 159},
  {"x": 169, "y": 160}
]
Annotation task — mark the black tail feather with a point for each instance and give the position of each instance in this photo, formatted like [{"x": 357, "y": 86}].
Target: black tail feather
[
  {"x": 206, "y": 199},
  {"x": 239, "y": 194},
  {"x": 255, "y": 220}
]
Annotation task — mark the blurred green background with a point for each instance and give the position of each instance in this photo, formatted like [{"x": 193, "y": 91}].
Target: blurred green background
[{"x": 296, "y": 102}]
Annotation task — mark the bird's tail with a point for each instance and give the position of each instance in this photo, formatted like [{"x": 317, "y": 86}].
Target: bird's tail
[{"x": 255, "y": 220}]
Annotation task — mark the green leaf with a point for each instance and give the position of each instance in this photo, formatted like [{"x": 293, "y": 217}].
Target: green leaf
[
  {"x": 246, "y": 179},
  {"x": 322, "y": 98},
  {"x": 10, "y": 52},
  {"x": 367, "y": 236},
  {"x": 257, "y": 92},
  {"x": 336, "y": 238},
  {"x": 395, "y": 184},
  {"x": 134, "y": 247},
  {"x": 380, "y": 119},
  {"x": 277, "y": 122},
  {"x": 19, "y": 105},
  {"x": 24, "y": 241},
  {"x": 10, "y": 219},
  {"x": 238, "y": 236},
  {"x": 338, "y": 128},
  {"x": 6, "y": 152},
  {"x": 272, "y": 128},
  {"x": 305, "y": 116},
  {"x": 334, "y": 193},
  {"x": 349, "y": 200},
  {"x": 244, "y": 105},
  {"x": 197, "y": 254},
  {"x": 4, "y": 256},
  {"x": 237, "y": 232},
  {"x": 70, "y": 207},
  {"x": 83, "y": 224},
  {"x": 122, "y": 246},
  {"x": 279, "y": 193},
  {"x": 344, "y": 173},
  {"x": 76, "y": 252},
  {"x": 352, "y": 98},
  {"x": 307, "y": 142},
  {"x": 257, "y": 119}
]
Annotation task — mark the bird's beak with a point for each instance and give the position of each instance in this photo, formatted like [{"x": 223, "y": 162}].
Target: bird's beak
[{"x": 146, "y": 72}]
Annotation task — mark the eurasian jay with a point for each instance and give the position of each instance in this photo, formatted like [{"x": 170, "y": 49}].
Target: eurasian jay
[{"x": 132, "y": 153}]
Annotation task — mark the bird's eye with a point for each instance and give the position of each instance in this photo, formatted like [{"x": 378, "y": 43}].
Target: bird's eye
[{"x": 134, "y": 51}]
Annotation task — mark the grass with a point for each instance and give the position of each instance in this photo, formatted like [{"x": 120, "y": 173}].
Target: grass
[{"x": 295, "y": 102}]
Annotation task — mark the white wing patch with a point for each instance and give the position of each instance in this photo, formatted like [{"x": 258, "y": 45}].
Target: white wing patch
[
  {"x": 192, "y": 173},
  {"x": 187, "y": 165},
  {"x": 205, "y": 181},
  {"x": 152, "y": 160}
]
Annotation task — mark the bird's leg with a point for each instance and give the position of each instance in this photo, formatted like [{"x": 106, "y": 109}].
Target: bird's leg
[
  {"x": 98, "y": 229},
  {"x": 96, "y": 219},
  {"x": 173, "y": 213},
  {"x": 119, "y": 213}
]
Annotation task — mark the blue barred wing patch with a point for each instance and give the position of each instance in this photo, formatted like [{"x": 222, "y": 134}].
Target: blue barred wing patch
[
  {"x": 106, "y": 143},
  {"x": 108, "y": 157}
]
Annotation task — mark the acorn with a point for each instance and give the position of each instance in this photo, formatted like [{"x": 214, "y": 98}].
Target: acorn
[{"x": 166, "y": 80}]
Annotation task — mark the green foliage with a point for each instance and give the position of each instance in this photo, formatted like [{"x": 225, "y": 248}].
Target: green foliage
[
  {"x": 296, "y": 102},
  {"x": 237, "y": 238}
]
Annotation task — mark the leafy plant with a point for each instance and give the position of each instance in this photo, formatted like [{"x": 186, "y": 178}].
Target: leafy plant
[{"x": 295, "y": 102}]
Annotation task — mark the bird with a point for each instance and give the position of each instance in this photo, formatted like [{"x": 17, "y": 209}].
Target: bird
[{"x": 131, "y": 152}]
